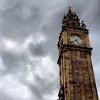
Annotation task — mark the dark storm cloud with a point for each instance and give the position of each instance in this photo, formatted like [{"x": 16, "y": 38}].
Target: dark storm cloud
[
  {"x": 18, "y": 27},
  {"x": 4, "y": 96},
  {"x": 38, "y": 50},
  {"x": 14, "y": 62},
  {"x": 27, "y": 17}
]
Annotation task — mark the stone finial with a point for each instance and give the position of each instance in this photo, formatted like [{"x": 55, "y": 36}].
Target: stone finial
[
  {"x": 71, "y": 20},
  {"x": 83, "y": 26}
]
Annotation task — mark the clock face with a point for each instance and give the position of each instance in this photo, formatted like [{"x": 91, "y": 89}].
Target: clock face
[{"x": 75, "y": 40}]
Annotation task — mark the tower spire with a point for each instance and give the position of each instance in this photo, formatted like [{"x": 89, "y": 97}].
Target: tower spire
[{"x": 71, "y": 20}]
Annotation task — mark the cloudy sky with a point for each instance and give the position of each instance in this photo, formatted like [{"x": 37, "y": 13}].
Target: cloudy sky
[{"x": 29, "y": 31}]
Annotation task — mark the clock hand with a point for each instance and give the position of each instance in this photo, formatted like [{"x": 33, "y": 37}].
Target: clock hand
[{"x": 76, "y": 41}]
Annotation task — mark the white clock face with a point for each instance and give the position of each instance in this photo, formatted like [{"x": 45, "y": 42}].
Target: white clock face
[{"x": 75, "y": 40}]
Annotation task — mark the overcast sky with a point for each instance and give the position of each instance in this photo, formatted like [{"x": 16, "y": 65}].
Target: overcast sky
[{"x": 29, "y": 31}]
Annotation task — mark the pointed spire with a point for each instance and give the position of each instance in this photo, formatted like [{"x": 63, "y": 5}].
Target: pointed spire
[{"x": 71, "y": 20}]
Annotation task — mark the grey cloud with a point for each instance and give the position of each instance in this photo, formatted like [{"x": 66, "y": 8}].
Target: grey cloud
[
  {"x": 44, "y": 87},
  {"x": 18, "y": 28},
  {"x": 4, "y": 96},
  {"x": 14, "y": 63},
  {"x": 38, "y": 50},
  {"x": 6, "y": 5},
  {"x": 17, "y": 62},
  {"x": 23, "y": 19}
]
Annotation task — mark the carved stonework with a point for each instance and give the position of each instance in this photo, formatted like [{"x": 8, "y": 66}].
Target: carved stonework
[
  {"x": 71, "y": 20},
  {"x": 77, "y": 81}
]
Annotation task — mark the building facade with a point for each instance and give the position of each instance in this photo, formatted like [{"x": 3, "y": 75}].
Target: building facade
[{"x": 77, "y": 81}]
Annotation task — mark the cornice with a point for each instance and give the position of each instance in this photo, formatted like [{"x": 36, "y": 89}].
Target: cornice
[{"x": 68, "y": 47}]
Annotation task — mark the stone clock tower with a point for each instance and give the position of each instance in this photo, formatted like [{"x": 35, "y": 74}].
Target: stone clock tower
[{"x": 77, "y": 81}]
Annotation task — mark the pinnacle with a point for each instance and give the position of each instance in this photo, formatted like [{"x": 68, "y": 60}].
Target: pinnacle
[{"x": 71, "y": 20}]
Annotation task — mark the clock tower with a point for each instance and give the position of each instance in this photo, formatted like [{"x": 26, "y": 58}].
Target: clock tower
[{"x": 77, "y": 81}]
